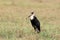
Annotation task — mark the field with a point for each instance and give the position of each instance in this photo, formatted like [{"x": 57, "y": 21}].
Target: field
[{"x": 15, "y": 26}]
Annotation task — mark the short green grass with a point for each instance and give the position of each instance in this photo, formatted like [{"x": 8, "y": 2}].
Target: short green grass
[{"x": 15, "y": 26}]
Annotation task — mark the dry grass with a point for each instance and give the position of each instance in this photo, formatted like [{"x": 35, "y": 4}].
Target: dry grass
[{"x": 13, "y": 23}]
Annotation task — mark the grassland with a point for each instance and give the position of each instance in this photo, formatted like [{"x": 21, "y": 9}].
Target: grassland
[{"x": 15, "y": 26}]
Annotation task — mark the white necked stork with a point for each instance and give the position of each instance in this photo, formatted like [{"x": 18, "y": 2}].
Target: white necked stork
[{"x": 34, "y": 22}]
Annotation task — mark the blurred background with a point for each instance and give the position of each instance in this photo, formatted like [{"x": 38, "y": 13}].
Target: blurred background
[{"x": 15, "y": 26}]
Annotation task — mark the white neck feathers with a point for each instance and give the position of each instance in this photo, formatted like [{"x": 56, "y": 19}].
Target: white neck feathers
[{"x": 32, "y": 17}]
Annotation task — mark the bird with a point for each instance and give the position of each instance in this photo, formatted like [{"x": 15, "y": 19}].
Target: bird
[{"x": 35, "y": 22}]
